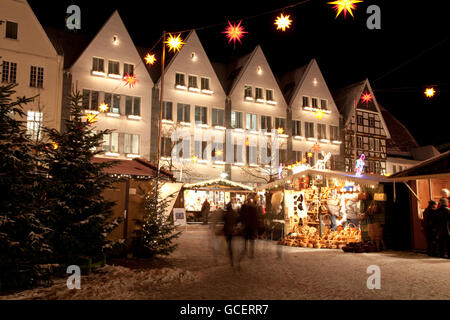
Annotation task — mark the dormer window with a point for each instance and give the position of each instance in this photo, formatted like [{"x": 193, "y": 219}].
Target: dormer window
[
  {"x": 259, "y": 95},
  {"x": 193, "y": 86}
]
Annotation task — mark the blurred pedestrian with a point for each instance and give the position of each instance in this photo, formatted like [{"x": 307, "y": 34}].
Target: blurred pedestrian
[
  {"x": 249, "y": 218},
  {"x": 442, "y": 227},
  {"x": 428, "y": 226},
  {"x": 230, "y": 219},
  {"x": 205, "y": 211}
]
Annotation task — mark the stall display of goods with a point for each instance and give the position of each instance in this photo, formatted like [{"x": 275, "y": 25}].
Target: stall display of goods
[{"x": 308, "y": 237}]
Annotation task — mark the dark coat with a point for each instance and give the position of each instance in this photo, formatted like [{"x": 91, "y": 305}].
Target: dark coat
[
  {"x": 230, "y": 218},
  {"x": 428, "y": 222},
  {"x": 442, "y": 223},
  {"x": 249, "y": 217}
]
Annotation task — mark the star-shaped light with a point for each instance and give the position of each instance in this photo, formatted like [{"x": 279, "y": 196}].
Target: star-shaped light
[
  {"x": 174, "y": 43},
  {"x": 283, "y": 22},
  {"x": 305, "y": 160},
  {"x": 316, "y": 148},
  {"x": 103, "y": 107},
  {"x": 345, "y": 6},
  {"x": 310, "y": 155},
  {"x": 367, "y": 97},
  {"x": 280, "y": 130},
  {"x": 194, "y": 159},
  {"x": 130, "y": 80},
  {"x": 319, "y": 114},
  {"x": 150, "y": 59},
  {"x": 91, "y": 118},
  {"x": 219, "y": 153},
  {"x": 430, "y": 92},
  {"x": 234, "y": 32}
]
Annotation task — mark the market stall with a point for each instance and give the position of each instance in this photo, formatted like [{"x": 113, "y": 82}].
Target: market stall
[
  {"x": 217, "y": 192},
  {"x": 322, "y": 208}
]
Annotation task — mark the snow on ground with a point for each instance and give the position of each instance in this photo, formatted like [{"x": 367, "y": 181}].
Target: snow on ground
[{"x": 199, "y": 269}]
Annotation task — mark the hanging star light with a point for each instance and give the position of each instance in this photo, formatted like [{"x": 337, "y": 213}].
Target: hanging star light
[
  {"x": 103, "y": 107},
  {"x": 174, "y": 43},
  {"x": 283, "y": 22},
  {"x": 367, "y": 97},
  {"x": 234, "y": 32},
  {"x": 150, "y": 59},
  {"x": 130, "y": 80},
  {"x": 280, "y": 130},
  {"x": 344, "y": 6},
  {"x": 319, "y": 114},
  {"x": 55, "y": 146},
  {"x": 316, "y": 148},
  {"x": 430, "y": 92},
  {"x": 91, "y": 118}
]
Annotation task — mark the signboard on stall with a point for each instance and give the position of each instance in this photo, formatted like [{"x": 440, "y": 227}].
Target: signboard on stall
[{"x": 179, "y": 217}]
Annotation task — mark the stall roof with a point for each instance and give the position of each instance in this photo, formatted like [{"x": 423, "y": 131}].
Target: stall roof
[
  {"x": 218, "y": 182},
  {"x": 371, "y": 179},
  {"x": 135, "y": 167},
  {"x": 436, "y": 167}
]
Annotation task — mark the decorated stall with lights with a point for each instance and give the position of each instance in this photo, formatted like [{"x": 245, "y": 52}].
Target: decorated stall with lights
[
  {"x": 217, "y": 192},
  {"x": 315, "y": 204}
]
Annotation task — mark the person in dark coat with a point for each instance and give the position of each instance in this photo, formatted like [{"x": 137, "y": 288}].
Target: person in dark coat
[
  {"x": 230, "y": 219},
  {"x": 205, "y": 211},
  {"x": 428, "y": 226},
  {"x": 442, "y": 227},
  {"x": 249, "y": 218}
]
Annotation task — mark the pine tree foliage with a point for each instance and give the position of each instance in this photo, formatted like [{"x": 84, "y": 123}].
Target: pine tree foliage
[
  {"x": 157, "y": 232},
  {"x": 81, "y": 215},
  {"x": 24, "y": 249}
]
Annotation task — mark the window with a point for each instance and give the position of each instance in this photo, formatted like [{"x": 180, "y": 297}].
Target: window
[
  {"x": 372, "y": 122},
  {"x": 94, "y": 100},
  {"x": 252, "y": 154},
  {"x": 98, "y": 65},
  {"x": 394, "y": 168},
  {"x": 113, "y": 67},
  {"x": 166, "y": 147},
  {"x": 251, "y": 122},
  {"x": 239, "y": 153},
  {"x": 11, "y": 30},
  {"x": 116, "y": 104},
  {"x": 108, "y": 99},
  {"x": 131, "y": 144},
  {"x": 34, "y": 122},
  {"x": 360, "y": 120},
  {"x": 179, "y": 79},
  {"x": 217, "y": 151},
  {"x": 236, "y": 120},
  {"x": 283, "y": 156},
  {"x": 200, "y": 149},
  {"x": 201, "y": 115},
  {"x": 309, "y": 129},
  {"x": 218, "y": 117},
  {"x": 132, "y": 106},
  {"x": 315, "y": 103},
  {"x": 111, "y": 142},
  {"x": 9, "y": 72},
  {"x": 248, "y": 92},
  {"x": 400, "y": 168},
  {"x": 90, "y": 99},
  {"x": 269, "y": 95},
  {"x": 377, "y": 145},
  {"x": 359, "y": 142},
  {"x": 183, "y": 112},
  {"x": 128, "y": 69},
  {"x": 334, "y": 133},
  {"x": 193, "y": 82},
  {"x": 259, "y": 93},
  {"x": 205, "y": 84},
  {"x": 37, "y": 77},
  {"x": 296, "y": 128},
  {"x": 280, "y": 124},
  {"x": 167, "y": 110},
  {"x": 322, "y": 131},
  {"x": 306, "y": 101},
  {"x": 298, "y": 156},
  {"x": 371, "y": 144},
  {"x": 323, "y": 104},
  {"x": 266, "y": 123}
]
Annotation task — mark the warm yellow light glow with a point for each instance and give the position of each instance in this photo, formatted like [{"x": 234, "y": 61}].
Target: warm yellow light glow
[
  {"x": 103, "y": 107},
  {"x": 55, "y": 145},
  {"x": 174, "y": 43},
  {"x": 430, "y": 92},
  {"x": 280, "y": 130},
  {"x": 150, "y": 59},
  {"x": 310, "y": 155},
  {"x": 194, "y": 159},
  {"x": 91, "y": 118},
  {"x": 219, "y": 153},
  {"x": 283, "y": 22},
  {"x": 319, "y": 114},
  {"x": 344, "y": 6}
]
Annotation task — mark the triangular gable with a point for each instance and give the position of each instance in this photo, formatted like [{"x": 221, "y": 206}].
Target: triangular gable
[
  {"x": 255, "y": 59},
  {"x": 114, "y": 26},
  {"x": 193, "y": 45}
]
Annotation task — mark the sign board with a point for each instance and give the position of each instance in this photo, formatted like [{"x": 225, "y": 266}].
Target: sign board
[{"x": 179, "y": 216}]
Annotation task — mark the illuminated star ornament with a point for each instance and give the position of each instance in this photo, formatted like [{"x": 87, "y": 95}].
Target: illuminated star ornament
[
  {"x": 150, "y": 59},
  {"x": 91, "y": 118},
  {"x": 367, "y": 97},
  {"x": 319, "y": 114},
  {"x": 280, "y": 130},
  {"x": 316, "y": 148},
  {"x": 130, "y": 80},
  {"x": 103, "y": 107},
  {"x": 234, "y": 32},
  {"x": 430, "y": 92},
  {"x": 344, "y": 6},
  {"x": 283, "y": 22},
  {"x": 174, "y": 43}
]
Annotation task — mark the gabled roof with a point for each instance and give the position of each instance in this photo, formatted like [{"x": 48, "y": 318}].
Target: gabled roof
[
  {"x": 346, "y": 98},
  {"x": 438, "y": 166},
  {"x": 218, "y": 182},
  {"x": 135, "y": 167},
  {"x": 290, "y": 82}
]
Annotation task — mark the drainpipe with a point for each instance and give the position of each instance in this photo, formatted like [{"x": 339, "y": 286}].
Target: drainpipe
[{"x": 126, "y": 210}]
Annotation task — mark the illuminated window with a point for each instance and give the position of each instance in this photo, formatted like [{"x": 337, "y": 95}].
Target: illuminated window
[
  {"x": 236, "y": 120},
  {"x": 218, "y": 117},
  {"x": 201, "y": 115},
  {"x": 251, "y": 122},
  {"x": 111, "y": 142},
  {"x": 34, "y": 124},
  {"x": 131, "y": 144}
]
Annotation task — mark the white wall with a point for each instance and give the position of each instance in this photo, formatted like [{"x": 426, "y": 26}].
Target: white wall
[
  {"x": 32, "y": 48},
  {"x": 399, "y": 162}
]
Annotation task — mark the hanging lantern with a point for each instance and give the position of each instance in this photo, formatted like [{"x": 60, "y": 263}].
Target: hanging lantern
[
  {"x": 234, "y": 32},
  {"x": 130, "y": 80},
  {"x": 430, "y": 92},
  {"x": 310, "y": 155},
  {"x": 283, "y": 22},
  {"x": 367, "y": 97},
  {"x": 280, "y": 130},
  {"x": 150, "y": 59},
  {"x": 103, "y": 107},
  {"x": 91, "y": 118},
  {"x": 344, "y": 6},
  {"x": 174, "y": 43},
  {"x": 316, "y": 147}
]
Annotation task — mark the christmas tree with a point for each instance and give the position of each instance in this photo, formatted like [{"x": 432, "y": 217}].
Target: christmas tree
[
  {"x": 81, "y": 216},
  {"x": 24, "y": 249},
  {"x": 157, "y": 232}
]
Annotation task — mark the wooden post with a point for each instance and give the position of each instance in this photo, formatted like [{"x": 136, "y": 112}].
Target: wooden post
[{"x": 126, "y": 211}]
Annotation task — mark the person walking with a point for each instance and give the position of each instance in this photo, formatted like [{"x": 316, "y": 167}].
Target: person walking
[
  {"x": 230, "y": 219},
  {"x": 205, "y": 211},
  {"x": 428, "y": 226},
  {"x": 249, "y": 217},
  {"x": 442, "y": 227}
]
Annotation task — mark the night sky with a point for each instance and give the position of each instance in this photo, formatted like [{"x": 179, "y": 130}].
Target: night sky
[{"x": 410, "y": 52}]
